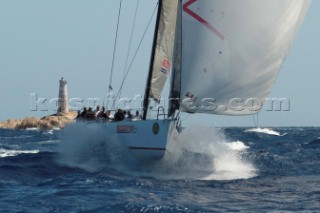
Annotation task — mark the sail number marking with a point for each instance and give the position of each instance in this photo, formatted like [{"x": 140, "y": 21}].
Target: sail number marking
[{"x": 126, "y": 129}]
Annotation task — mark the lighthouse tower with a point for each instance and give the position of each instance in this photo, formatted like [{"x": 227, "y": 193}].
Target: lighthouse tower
[{"x": 63, "y": 107}]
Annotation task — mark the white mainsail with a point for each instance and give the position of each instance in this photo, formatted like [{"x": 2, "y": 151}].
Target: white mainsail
[
  {"x": 164, "y": 49},
  {"x": 233, "y": 50}
]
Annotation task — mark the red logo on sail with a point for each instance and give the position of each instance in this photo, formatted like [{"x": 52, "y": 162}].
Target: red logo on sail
[
  {"x": 166, "y": 66},
  {"x": 186, "y": 8}
]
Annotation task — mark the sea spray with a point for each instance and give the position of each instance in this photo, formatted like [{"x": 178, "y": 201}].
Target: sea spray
[
  {"x": 205, "y": 153},
  {"x": 91, "y": 147},
  {"x": 198, "y": 153}
]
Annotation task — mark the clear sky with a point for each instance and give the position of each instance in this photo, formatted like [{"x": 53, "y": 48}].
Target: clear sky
[{"x": 43, "y": 40}]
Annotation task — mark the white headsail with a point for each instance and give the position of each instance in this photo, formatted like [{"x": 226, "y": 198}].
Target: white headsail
[
  {"x": 233, "y": 50},
  {"x": 164, "y": 49}
]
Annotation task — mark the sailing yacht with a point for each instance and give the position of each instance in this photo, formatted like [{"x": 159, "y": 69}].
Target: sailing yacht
[{"x": 222, "y": 57}]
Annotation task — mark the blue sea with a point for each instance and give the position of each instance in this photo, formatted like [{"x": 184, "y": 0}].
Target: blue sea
[{"x": 206, "y": 170}]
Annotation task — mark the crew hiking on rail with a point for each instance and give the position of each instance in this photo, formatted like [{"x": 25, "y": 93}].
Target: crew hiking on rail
[{"x": 106, "y": 116}]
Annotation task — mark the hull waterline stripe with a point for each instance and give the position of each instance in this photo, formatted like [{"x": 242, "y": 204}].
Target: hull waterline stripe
[
  {"x": 147, "y": 148},
  {"x": 200, "y": 19}
]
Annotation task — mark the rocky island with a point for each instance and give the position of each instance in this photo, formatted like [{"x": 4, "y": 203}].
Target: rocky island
[
  {"x": 58, "y": 120},
  {"x": 45, "y": 123}
]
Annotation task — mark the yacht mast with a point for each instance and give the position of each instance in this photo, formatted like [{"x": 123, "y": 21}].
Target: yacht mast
[{"x": 148, "y": 87}]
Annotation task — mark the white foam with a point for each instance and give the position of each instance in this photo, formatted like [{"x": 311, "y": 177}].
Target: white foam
[
  {"x": 264, "y": 131},
  {"x": 237, "y": 146},
  {"x": 212, "y": 157},
  {"x": 11, "y": 153},
  {"x": 49, "y": 132},
  {"x": 32, "y": 129}
]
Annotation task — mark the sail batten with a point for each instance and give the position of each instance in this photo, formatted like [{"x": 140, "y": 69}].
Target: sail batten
[{"x": 233, "y": 51}]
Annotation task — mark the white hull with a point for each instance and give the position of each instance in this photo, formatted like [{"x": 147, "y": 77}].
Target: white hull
[{"x": 146, "y": 140}]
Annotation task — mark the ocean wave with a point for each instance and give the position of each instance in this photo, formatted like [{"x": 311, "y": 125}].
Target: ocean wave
[
  {"x": 49, "y": 142},
  {"x": 267, "y": 131},
  {"x": 11, "y": 153},
  {"x": 16, "y": 137},
  {"x": 314, "y": 143}
]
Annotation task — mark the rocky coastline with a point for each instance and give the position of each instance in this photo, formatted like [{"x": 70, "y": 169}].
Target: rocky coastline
[
  {"x": 62, "y": 118},
  {"x": 45, "y": 123}
]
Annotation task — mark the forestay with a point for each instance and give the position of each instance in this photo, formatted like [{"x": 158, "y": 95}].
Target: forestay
[{"x": 233, "y": 50}]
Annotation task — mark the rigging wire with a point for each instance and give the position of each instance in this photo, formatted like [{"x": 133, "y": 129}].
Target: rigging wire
[
  {"x": 130, "y": 44},
  {"x": 135, "y": 54},
  {"x": 114, "y": 53}
]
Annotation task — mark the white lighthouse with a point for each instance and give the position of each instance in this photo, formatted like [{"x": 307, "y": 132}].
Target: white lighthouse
[{"x": 63, "y": 107}]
